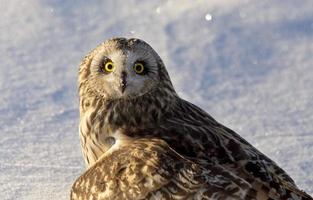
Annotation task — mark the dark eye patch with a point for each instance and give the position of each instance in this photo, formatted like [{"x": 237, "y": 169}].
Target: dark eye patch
[
  {"x": 105, "y": 60},
  {"x": 146, "y": 66},
  {"x": 102, "y": 63}
]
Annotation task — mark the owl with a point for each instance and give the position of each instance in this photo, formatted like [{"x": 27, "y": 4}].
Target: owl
[{"x": 132, "y": 119}]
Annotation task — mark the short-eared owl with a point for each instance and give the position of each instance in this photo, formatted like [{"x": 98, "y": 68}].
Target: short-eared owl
[{"x": 140, "y": 140}]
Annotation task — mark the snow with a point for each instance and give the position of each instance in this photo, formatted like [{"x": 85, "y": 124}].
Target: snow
[{"x": 246, "y": 62}]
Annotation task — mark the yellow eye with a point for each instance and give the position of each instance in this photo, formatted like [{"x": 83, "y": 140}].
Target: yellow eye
[
  {"x": 139, "y": 68},
  {"x": 109, "y": 67}
]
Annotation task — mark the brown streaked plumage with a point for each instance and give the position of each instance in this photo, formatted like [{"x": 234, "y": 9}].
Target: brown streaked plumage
[
  {"x": 124, "y": 104},
  {"x": 150, "y": 169}
]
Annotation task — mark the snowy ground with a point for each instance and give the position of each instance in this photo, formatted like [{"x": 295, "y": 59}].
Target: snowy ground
[{"x": 249, "y": 63}]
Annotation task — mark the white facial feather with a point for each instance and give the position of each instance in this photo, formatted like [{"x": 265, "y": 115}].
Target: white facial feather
[{"x": 109, "y": 84}]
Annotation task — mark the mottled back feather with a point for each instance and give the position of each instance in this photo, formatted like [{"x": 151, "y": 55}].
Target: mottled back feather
[{"x": 150, "y": 169}]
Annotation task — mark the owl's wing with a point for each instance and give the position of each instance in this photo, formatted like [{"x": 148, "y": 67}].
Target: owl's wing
[
  {"x": 150, "y": 169},
  {"x": 201, "y": 137}
]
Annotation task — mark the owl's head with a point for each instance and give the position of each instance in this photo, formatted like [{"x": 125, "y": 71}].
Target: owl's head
[{"x": 123, "y": 68}]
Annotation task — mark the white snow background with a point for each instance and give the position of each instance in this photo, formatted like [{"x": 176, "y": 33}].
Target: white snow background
[{"x": 249, "y": 63}]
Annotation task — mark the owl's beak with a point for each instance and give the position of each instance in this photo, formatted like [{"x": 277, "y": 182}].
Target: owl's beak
[{"x": 124, "y": 81}]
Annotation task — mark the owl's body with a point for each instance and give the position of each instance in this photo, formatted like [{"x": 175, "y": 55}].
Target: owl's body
[{"x": 129, "y": 104}]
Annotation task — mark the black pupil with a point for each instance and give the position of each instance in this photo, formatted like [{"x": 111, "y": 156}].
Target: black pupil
[
  {"x": 139, "y": 67},
  {"x": 110, "y": 66}
]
